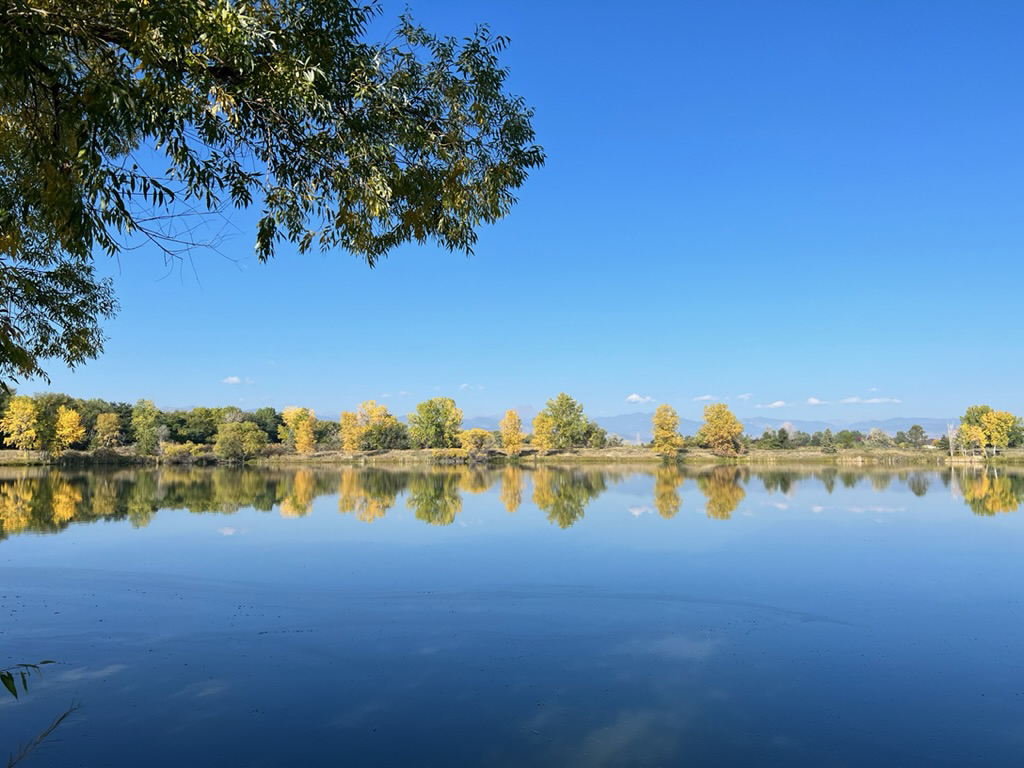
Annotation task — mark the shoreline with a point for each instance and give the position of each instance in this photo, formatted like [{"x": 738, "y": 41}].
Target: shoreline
[{"x": 619, "y": 456}]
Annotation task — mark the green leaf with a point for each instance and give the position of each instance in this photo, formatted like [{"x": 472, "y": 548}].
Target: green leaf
[{"x": 8, "y": 680}]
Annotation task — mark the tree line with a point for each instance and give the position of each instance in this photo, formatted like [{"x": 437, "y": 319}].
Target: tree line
[{"x": 56, "y": 423}]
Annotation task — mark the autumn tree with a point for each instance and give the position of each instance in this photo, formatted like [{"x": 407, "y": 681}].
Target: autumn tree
[
  {"x": 997, "y": 426},
  {"x": 120, "y": 121},
  {"x": 666, "y": 440},
  {"x": 371, "y": 427},
  {"x": 145, "y": 422},
  {"x": 477, "y": 442},
  {"x": 296, "y": 429},
  {"x": 68, "y": 429},
  {"x": 543, "y": 432},
  {"x": 721, "y": 430},
  {"x": 19, "y": 423},
  {"x": 107, "y": 432},
  {"x": 970, "y": 437},
  {"x": 511, "y": 433},
  {"x": 436, "y": 423}
]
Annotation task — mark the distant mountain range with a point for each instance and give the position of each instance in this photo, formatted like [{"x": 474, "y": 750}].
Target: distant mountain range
[{"x": 636, "y": 427}]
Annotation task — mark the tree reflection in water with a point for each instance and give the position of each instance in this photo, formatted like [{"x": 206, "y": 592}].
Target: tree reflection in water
[
  {"x": 564, "y": 493},
  {"x": 987, "y": 492},
  {"x": 667, "y": 482},
  {"x": 40, "y": 501},
  {"x": 721, "y": 486}
]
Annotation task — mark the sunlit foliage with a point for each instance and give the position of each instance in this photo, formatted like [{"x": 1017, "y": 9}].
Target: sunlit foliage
[
  {"x": 19, "y": 423},
  {"x": 721, "y": 430}
]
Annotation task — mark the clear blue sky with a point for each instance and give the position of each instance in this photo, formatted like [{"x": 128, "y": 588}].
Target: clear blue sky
[{"x": 763, "y": 202}]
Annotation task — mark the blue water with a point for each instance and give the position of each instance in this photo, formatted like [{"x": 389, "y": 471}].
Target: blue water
[{"x": 761, "y": 620}]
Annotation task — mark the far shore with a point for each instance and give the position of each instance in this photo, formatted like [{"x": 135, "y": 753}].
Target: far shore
[{"x": 617, "y": 456}]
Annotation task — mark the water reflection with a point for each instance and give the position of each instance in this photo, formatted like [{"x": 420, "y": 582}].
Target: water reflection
[{"x": 39, "y": 501}]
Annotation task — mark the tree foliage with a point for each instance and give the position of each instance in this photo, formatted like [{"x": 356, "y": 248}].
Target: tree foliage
[
  {"x": 69, "y": 429},
  {"x": 721, "y": 430},
  {"x": 19, "y": 423},
  {"x": 563, "y": 425},
  {"x": 239, "y": 440},
  {"x": 107, "y": 432},
  {"x": 144, "y": 426},
  {"x": 119, "y": 121},
  {"x": 512, "y": 436},
  {"x": 436, "y": 424},
  {"x": 666, "y": 440}
]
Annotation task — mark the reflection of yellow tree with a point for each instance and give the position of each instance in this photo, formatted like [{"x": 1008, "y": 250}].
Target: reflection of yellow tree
[
  {"x": 16, "y": 504},
  {"x": 512, "y": 488},
  {"x": 990, "y": 494},
  {"x": 563, "y": 494},
  {"x": 472, "y": 480},
  {"x": 723, "y": 491},
  {"x": 102, "y": 497},
  {"x": 369, "y": 495},
  {"x": 300, "y": 497},
  {"x": 64, "y": 499},
  {"x": 434, "y": 496},
  {"x": 667, "y": 481}
]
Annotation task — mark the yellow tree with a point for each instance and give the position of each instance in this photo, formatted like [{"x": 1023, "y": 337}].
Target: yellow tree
[
  {"x": 511, "y": 433},
  {"x": 107, "y": 432},
  {"x": 666, "y": 440},
  {"x": 721, "y": 430},
  {"x": 970, "y": 436},
  {"x": 297, "y": 428},
  {"x": 997, "y": 425},
  {"x": 19, "y": 423},
  {"x": 476, "y": 442},
  {"x": 543, "y": 432},
  {"x": 68, "y": 429},
  {"x": 351, "y": 432}
]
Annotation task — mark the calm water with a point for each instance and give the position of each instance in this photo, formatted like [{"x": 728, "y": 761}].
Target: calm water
[{"x": 516, "y": 617}]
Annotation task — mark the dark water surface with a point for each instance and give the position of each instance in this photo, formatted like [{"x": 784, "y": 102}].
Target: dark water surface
[{"x": 515, "y": 617}]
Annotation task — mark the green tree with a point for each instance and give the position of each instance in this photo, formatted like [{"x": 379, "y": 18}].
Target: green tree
[
  {"x": 878, "y": 440},
  {"x": 972, "y": 417},
  {"x": 285, "y": 107},
  {"x": 436, "y": 424},
  {"x": 567, "y": 426},
  {"x": 827, "y": 443},
  {"x": 916, "y": 436},
  {"x": 145, "y": 421},
  {"x": 238, "y": 441},
  {"x": 666, "y": 440},
  {"x": 390, "y": 435}
]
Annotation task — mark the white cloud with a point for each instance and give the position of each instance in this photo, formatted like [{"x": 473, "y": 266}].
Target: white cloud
[
  {"x": 816, "y": 401},
  {"x": 872, "y": 389},
  {"x": 869, "y": 400},
  {"x": 471, "y": 388},
  {"x": 635, "y": 398},
  {"x": 776, "y": 404},
  {"x": 231, "y": 380},
  {"x": 705, "y": 397},
  {"x": 385, "y": 395},
  {"x": 745, "y": 396},
  {"x": 403, "y": 393}
]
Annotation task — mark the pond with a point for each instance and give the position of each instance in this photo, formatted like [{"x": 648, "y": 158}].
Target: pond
[{"x": 509, "y": 617}]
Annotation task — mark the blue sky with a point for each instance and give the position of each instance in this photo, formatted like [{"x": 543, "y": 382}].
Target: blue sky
[{"x": 759, "y": 202}]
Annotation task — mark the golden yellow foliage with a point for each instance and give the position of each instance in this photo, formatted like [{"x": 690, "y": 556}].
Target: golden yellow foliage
[
  {"x": 512, "y": 488},
  {"x": 666, "y": 440},
  {"x": 723, "y": 491},
  {"x": 65, "y": 499},
  {"x": 996, "y": 426},
  {"x": 511, "y": 433},
  {"x": 16, "y": 505},
  {"x": 351, "y": 432},
  {"x": 667, "y": 481},
  {"x": 68, "y": 429},
  {"x": 299, "y": 500},
  {"x": 721, "y": 430},
  {"x": 19, "y": 423},
  {"x": 543, "y": 432}
]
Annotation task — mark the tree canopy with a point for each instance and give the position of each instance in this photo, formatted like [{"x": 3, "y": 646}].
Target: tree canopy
[{"x": 120, "y": 121}]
